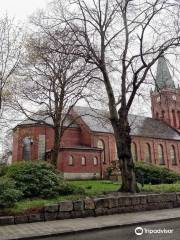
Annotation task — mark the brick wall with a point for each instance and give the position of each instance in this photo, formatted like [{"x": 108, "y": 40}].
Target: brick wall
[
  {"x": 71, "y": 137},
  {"x": 164, "y": 103},
  {"x": 74, "y": 137},
  {"x": 77, "y": 167},
  {"x": 140, "y": 141}
]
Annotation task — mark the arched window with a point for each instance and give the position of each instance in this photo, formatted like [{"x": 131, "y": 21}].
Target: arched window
[
  {"x": 101, "y": 145},
  {"x": 157, "y": 115},
  {"x": 83, "y": 161},
  {"x": 173, "y": 155},
  {"x": 116, "y": 153},
  {"x": 179, "y": 118},
  {"x": 163, "y": 114},
  {"x": 174, "y": 118},
  {"x": 70, "y": 160},
  {"x": 147, "y": 153},
  {"x": 26, "y": 149},
  {"x": 134, "y": 151},
  {"x": 95, "y": 161},
  {"x": 160, "y": 155}
]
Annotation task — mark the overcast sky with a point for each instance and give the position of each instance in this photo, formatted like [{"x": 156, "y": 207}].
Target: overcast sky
[{"x": 21, "y": 9}]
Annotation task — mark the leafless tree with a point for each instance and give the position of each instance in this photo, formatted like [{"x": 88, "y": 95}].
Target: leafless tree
[
  {"x": 6, "y": 154},
  {"x": 10, "y": 49},
  {"x": 123, "y": 39},
  {"x": 11, "y": 37},
  {"x": 53, "y": 77}
]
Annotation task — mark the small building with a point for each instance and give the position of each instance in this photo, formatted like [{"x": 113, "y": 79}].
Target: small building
[{"x": 88, "y": 145}]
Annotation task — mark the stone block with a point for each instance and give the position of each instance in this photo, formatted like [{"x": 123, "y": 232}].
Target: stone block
[
  {"x": 48, "y": 216},
  {"x": 114, "y": 210},
  {"x": 78, "y": 205},
  {"x": 77, "y": 214},
  {"x": 143, "y": 199},
  {"x": 165, "y": 205},
  {"x": 165, "y": 197},
  {"x": 157, "y": 206},
  {"x": 154, "y": 198},
  {"x": 51, "y": 208},
  {"x": 63, "y": 215},
  {"x": 178, "y": 197},
  {"x": 135, "y": 200},
  {"x": 139, "y": 207},
  {"x": 169, "y": 197},
  {"x": 7, "y": 220},
  {"x": 36, "y": 217},
  {"x": 89, "y": 204},
  {"x": 126, "y": 209},
  {"x": 66, "y": 206},
  {"x": 176, "y": 204},
  {"x": 124, "y": 201},
  {"x": 101, "y": 202},
  {"x": 81, "y": 214},
  {"x": 101, "y": 211},
  {"x": 88, "y": 213},
  {"x": 21, "y": 219},
  {"x": 113, "y": 202},
  {"x": 152, "y": 206}
]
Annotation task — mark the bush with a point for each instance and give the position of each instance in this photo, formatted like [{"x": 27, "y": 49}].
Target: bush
[
  {"x": 35, "y": 179},
  {"x": 149, "y": 173},
  {"x": 3, "y": 169},
  {"x": 9, "y": 195},
  {"x": 67, "y": 189}
]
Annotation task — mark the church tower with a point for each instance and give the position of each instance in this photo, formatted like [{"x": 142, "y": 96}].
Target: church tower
[{"x": 165, "y": 100}]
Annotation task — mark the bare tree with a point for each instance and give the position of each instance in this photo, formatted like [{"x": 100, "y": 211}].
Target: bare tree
[
  {"x": 54, "y": 77},
  {"x": 123, "y": 39},
  {"x": 10, "y": 49},
  {"x": 6, "y": 155},
  {"x": 11, "y": 37}
]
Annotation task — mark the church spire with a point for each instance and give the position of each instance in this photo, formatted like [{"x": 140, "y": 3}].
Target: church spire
[{"x": 163, "y": 76}]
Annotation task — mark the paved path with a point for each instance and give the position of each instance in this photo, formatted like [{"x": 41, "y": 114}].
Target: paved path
[
  {"x": 128, "y": 233},
  {"x": 42, "y": 229}
]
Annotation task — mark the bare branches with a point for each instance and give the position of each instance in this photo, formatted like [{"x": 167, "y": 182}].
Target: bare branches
[
  {"x": 124, "y": 39},
  {"x": 10, "y": 50},
  {"x": 53, "y": 78}
]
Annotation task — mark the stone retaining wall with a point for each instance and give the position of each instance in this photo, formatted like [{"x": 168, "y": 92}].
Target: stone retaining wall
[{"x": 88, "y": 207}]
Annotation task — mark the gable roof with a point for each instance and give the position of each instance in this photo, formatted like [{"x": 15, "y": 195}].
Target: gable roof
[
  {"x": 97, "y": 121},
  {"x": 42, "y": 116}
]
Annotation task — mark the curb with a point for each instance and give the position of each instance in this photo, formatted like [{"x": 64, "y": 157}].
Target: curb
[{"x": 68, "y": 232}]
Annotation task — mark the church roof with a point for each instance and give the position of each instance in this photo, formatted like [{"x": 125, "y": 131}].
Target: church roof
[
  {"x": 42, "y": 117},
  {"x": 163, "y": 76},
  {"x": 97, "y": 121}
]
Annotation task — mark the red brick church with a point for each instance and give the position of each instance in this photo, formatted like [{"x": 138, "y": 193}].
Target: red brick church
[{"x": 88, "y": 146}]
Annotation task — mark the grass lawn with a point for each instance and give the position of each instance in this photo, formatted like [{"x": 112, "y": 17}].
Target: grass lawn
[
  {"x": 161, "y": 188},
  {"x": 92, "y": 188}
]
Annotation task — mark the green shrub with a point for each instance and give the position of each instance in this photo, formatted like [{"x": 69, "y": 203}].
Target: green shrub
[
  {"x": 149, "y": 173},
  {"x": 3, "y": 169},
  {"x": 9, "y": 195},
  {"x": 67, "y": 189},
  {"x": 35, "y": 179}
]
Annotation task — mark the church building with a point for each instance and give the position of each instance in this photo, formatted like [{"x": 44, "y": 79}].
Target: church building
[{"x": 88, "y": 145}]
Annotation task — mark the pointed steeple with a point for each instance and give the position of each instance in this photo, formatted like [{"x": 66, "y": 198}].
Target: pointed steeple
[{"x": 163, "y": 76}]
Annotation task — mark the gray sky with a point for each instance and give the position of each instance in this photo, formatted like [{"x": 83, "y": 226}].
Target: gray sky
[{"x": 21, "y": 9}]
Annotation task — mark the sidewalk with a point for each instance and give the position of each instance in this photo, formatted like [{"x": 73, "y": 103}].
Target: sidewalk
[{"x": 42, "y": 229}]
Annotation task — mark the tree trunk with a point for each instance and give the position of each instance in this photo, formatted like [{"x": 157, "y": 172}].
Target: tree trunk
[
  {"x": 0, "y": 99},
  {"x": 123, "y": 141},
  {"x": 55, "y": 151}
]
